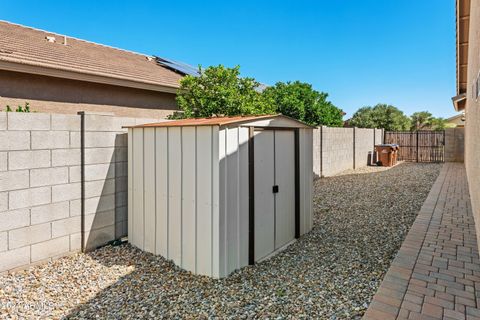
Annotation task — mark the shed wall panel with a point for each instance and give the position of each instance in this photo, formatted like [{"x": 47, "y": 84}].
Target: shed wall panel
[
  {"x": 149, "y": 189},
  {"x": 302, "y": 160},
  {"x": 222, "y": 223},
  {"x": 204, "y": 200},
  {"x": 243, "y": 196},
  {"x": 137, "y": 222},
  {"x": 232, "y": 199},
  {"x": 189, "y": 219},
  {"x": 161, "y": 191},
  {"x": 130, "y": 182},
  {"x": 175, "y": 195},
  {"x": 216, "y": 230},
  {"x": 234, "y": 203},
  {"x": 308, "y": 165}
]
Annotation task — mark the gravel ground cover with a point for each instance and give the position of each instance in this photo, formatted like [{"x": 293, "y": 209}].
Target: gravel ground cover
[{"x": 361, "y": 219}]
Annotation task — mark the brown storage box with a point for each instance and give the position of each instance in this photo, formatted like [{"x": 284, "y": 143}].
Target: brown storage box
[{"x": 387, "y": 154}]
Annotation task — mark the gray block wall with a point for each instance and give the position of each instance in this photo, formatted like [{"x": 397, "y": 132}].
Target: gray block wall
[
  {"x": 379, "y": 136},
  {"x": 339, "y": 149},
  {"x": 39, "y": 196},
  {"x": 364, "y": 145},
  {"x": 40, "y": 184}
]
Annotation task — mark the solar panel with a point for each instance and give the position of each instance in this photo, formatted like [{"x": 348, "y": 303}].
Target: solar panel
[{"x": 179, "y": 67}]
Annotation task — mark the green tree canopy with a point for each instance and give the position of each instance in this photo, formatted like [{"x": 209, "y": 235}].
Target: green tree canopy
[
  {"x": 438, "y": 124},
  {"x": 421, "y": 120},
  {"x": 300, "y": 101},
  {"x": 220, "y": 91},
  {"x": 424, "y": 120},
  {"x": 381, "y": 116}
]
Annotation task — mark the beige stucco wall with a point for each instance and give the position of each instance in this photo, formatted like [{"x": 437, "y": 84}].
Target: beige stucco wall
[
  {"x": 55, "y": 95},
  {"x": 472, "y": 115},
  {"x": 454, "y": 144}
]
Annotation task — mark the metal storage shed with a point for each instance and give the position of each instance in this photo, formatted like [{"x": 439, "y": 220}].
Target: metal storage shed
[{"x": 217, "y": 194}]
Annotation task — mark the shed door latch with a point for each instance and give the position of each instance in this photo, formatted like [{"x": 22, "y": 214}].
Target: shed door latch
[{"x": 275, "y": 189}]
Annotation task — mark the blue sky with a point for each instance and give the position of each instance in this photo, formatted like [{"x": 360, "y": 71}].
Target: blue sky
[{"x": 361, "y": 52}]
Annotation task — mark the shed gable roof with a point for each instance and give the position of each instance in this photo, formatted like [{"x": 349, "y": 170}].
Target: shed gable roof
[{"x": 222, "y": 121}]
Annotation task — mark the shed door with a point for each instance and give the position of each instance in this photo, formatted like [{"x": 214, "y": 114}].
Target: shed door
[
  {"x": 274, "y": 169},
  {"x": 264, "y": 169},
  {"x": 285, "y": 180}
]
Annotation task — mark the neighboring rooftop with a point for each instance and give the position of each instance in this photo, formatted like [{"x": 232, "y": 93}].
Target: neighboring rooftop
[
  {"x": 457, "y": 116},
  {"x": 30, "y": 50}
]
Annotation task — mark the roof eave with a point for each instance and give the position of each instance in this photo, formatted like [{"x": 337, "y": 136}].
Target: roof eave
[
  {"x": 462, "y": 29},
  {"x": 83, "y": 76},
  {"x": 459, "y": 102}
]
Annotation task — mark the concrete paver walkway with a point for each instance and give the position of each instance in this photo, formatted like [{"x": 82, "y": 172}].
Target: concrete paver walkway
[{"x": 436, "y": 273}]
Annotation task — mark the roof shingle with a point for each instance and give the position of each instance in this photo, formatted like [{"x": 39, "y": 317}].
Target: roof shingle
[{"x": 24, "y": 45}]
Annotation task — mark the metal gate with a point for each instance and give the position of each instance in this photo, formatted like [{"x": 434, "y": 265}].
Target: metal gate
[{"x": 419, "y": 146}]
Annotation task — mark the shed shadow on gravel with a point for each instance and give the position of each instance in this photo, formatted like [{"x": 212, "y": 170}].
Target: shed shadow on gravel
[{"x": 360, "y": 221}]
